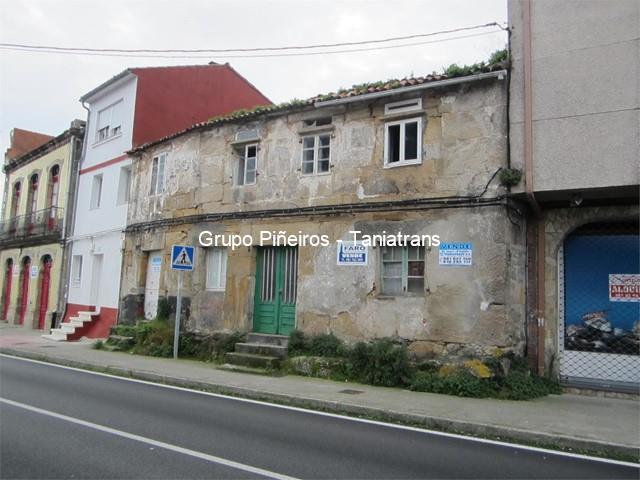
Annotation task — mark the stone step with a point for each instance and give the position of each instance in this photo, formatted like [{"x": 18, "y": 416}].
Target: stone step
[
  {"x": 67, "y": 328},
  {"x": 254, "y": 371},
  {"x": 267, "y": 339},
  {"x": 251, "y": 360},
  {"x": 56, "y": 335},
  {"x": 262, "y": 349}
]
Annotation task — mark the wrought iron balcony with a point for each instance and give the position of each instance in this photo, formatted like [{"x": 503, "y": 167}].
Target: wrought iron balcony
[{"x": 33, "y": 228}]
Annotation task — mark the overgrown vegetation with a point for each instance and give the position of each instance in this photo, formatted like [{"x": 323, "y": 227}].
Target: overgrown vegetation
[
  {"x": 496, "y": 60},
  {"x": 155, "y": 338},
  {"x": 510, "y": 177},
  {"x": 386, "y": 363}
]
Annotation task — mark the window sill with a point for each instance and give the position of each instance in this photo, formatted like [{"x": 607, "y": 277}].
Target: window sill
[
  {"x": 106, "y": 140},
  {"x": 215, "y": 290},
  {"x": 312, "y": 175},
  {"x": 403, "y": 164},
  {"x": 396, "y": 297}
]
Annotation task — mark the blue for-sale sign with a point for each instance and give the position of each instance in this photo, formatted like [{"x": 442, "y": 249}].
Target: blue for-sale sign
[{"x": 455, "y": 254}]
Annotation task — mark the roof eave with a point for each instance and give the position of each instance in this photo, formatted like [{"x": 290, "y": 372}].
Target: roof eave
[
  {"x": 499, "y": 74},
  {"x": 106, "y": 85}
]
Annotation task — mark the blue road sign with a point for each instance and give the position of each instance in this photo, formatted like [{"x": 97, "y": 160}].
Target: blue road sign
[{"x": 182, "y": 257}]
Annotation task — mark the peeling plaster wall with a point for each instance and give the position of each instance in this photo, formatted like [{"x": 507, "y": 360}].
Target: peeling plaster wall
[
  {"x": 464, "y": 143},
  {"x": 346, "y": 300}
]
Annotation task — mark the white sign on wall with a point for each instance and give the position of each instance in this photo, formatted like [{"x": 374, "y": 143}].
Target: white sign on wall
[
  {"x": 352, "y": 253},
  {"x": 624, "y": 287},
  {"x": 34, "y": 271},
  {"x": 455, "y": 254}
]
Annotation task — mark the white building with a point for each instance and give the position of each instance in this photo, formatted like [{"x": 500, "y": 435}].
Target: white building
[{"x": 135, "y": 107}]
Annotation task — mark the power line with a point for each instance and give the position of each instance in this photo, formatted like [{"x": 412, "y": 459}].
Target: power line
[
  {"x": 50, "y": 48},
  {"x": 258, "y": 55}
]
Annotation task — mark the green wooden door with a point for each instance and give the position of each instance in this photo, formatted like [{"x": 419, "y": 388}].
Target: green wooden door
[{"x": 276, "y": 289}]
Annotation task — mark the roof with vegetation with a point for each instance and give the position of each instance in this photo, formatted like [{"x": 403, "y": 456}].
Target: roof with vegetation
[{"x": 497, "y": 61}]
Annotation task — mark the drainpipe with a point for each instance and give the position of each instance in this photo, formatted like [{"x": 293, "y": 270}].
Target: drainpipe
[
  {"x": 529, "y": 190},
  {"x": 72, "y": 201}
]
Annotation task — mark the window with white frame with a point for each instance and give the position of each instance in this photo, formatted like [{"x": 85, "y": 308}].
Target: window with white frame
[
  {"x": 158, "y": 168},
  {"x": 246, "y": 171},
  {"x": 109, "y": 122},
  {"x": 124, "y": 185},
  {"x": 216, "y": 268},
  {"x": 403, "y": 142},
  {"x": 403, "y": 271},
  {"x": 96, "y": 192},
  {"x": 316, "y": 154},
  {"x": 76, "y": 270}
]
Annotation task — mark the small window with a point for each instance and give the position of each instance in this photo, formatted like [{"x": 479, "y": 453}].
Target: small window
[
  {"x": 316, "y": 154},
  {"x": 403, "y": 106},
  {"x": 158, "y": 167},
  {"x": 76, "y": 270},
  {"x": 403, "y": 271},
  {"x": 96, "y": 192},
  {"x": 317, "y": 122},
  {"x": 216, "y": 268},
  {"x": 247, "y": 166},
  {"x": 124, "y": 185},
  {"x": 403, "y": 142},
  {"x": 109, "y": 122}
]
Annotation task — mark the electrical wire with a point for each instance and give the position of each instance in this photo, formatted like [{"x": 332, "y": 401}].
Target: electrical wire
[
  {"x": 50, "y": 48},
  {"x": 270, "y": 55}
]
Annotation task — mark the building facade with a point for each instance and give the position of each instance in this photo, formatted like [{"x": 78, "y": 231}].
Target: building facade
[
  {"x": 418, "y": 157},
  {"x": 137, "y": 106},
  {"x": 574, "y": 117},
  {"x": 37, "y": 216}
]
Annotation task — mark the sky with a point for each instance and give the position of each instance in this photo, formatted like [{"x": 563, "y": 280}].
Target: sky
[{"x": 40, "y": 91}]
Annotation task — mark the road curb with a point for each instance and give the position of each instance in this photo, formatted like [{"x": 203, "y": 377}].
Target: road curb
[{"x": 535, "y": 438}]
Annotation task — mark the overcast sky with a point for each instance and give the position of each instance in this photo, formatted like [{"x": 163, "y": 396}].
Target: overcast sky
[{"x": 40, "y": 91}]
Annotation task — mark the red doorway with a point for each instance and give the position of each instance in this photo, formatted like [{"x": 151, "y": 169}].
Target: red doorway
[
  {"x": 24, "y": 289},
  {"x": 44, "y": 291}
]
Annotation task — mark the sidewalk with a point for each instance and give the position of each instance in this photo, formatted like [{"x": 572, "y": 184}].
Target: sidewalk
[{"x": 605, "y": 426}]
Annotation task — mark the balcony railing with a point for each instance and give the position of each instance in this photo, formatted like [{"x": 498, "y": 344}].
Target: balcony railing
[{"x": 32, "y": 226}]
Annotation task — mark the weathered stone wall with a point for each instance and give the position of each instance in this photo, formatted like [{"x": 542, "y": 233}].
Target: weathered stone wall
[
  {"x": 473, "y": 308},
  {"x": 464, "y": 143},
  {"x": 347, "y": 300}
]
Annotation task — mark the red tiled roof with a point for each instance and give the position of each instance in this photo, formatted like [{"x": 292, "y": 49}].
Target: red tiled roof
[
  {"x": 297, "y": 104},
  {"x": 23, "y": 141}
]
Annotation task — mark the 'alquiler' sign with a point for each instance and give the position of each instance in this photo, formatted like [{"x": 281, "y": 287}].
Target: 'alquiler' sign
[{"x": 624, "y": 287}]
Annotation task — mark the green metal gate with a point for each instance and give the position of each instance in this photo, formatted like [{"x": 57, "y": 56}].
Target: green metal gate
[{"x": 276, "y": 289}]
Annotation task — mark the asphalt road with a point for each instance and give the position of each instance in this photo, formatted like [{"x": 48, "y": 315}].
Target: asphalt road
[{"x": 62, "y": 423}]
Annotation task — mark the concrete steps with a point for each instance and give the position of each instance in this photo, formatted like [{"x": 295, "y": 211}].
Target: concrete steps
[
  {"x": 71, "y": 327},
  {"x": 259, "y": 351},
  {"x": 251, "y": 360}
]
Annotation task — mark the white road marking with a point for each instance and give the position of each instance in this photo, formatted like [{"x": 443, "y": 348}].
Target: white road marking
[
  {"x": 341, "y": 417},
  {"x": 150, "y": 441}
]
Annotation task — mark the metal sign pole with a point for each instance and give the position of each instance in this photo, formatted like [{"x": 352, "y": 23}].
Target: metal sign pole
[{"x": 176, "y": 331}]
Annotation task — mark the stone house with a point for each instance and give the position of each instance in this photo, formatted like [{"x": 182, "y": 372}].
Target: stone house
[
  {"x": 417, "y": 157},
  {"x": 574, "y": 118}
]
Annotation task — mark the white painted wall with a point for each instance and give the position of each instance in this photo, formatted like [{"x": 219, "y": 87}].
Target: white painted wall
[{"x": 100, "y": 230}]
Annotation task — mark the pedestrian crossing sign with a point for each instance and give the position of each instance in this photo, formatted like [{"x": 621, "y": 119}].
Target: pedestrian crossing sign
[{"x": 182, "y": 257}]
